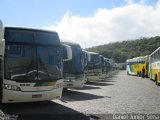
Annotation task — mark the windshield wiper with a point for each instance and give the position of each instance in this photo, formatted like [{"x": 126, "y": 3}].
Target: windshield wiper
[
  {"x": 45, "y": 69},
  {"x": 29, "y": 68}
]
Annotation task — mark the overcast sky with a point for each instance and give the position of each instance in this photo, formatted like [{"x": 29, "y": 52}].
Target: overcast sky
[{"x": 88, "y": 22}]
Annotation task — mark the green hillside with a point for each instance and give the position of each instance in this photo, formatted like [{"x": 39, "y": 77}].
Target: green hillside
[{"x": 120, "y": 51}]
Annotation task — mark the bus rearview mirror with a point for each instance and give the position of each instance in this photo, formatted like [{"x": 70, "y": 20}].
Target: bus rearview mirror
[
  {"x": 2, "y": 47},
  {"x": 67, "y": 52},
  {"x": 2, "y": 42},
  {"x": 89, "y": 57},
  {"x": 1, "y": 31}
]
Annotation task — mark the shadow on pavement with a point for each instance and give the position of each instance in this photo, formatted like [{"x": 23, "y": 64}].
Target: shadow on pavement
[
  {"x": 111, "y": 80},
  {"x": 46, "y": 110},
  {"x": 87, "y": 87},
  {"x": 70, "y": 95},
  {"x": 113, "y": 76},
  {"x": 98, "y": 83}
]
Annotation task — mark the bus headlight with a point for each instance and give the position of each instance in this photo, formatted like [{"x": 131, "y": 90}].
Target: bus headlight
[
  {"x": 12, "y": 87},
  {"x": 59, "y": 85}
]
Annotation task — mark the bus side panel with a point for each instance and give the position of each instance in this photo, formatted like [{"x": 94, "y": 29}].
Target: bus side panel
[
  {"x": 74, "y": 81},
  {"x": 138, "y": 68},
  {"x": 159, "y": 75},
  {"x": 154, "y": 73},
  {"x": 155, "y": 70}
]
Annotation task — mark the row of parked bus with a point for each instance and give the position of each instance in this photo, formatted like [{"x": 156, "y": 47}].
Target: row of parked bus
[
  {"x": 35, "y": 65},
  {"x": 150, "y": 64}
]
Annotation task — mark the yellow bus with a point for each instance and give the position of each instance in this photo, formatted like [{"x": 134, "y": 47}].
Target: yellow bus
[
  {"x": 154, "y": 63},
  {"x": 135, "y": 65}
]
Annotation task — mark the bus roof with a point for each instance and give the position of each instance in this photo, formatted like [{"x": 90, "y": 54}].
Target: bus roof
[
  {"x": 93, "y": 53},
  {"x": 69, "y": 42},
  {"x": 136, "y": 58},
  {"x": 101, "y": 55},
  {"x": 106, "y": 58},
  {"x": 85, "y": 50},
  {"x": 155, "y": 51},
  {"x": 44, "y": 37},
  {"x": 28, "y": 28}
]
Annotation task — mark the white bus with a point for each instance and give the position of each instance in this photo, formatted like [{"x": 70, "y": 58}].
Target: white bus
[
  {"x": 85, "y": 62},
  {"x": 94, "y": 68},
  {"x": 103, "y": 73},
  {"x": 73, "y": 70},
  {"x": 135, "y": 65},
  {"x": 30, "y": 65},
  {"x": 154, "y": 66}
]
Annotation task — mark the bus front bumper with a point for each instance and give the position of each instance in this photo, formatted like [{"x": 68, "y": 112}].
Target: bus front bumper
[
  {"x": 73, "y": 83},
  {"x": 93, "y": 78},
  {"x": 102, "y": 76},
  {"x": 10, "y": 96}
]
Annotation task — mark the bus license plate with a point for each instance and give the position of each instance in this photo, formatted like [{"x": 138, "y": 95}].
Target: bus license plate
[
  {"x": 69, "y": 85},
  {"x": 37, "y": 96}
]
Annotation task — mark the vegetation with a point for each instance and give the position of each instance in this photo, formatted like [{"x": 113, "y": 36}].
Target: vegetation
[{"x": 120, "y": 51}]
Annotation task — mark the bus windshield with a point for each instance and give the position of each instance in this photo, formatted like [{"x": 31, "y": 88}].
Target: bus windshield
[
  {"x": 95, "y": 62},
  {"x": 95, "y": 59},
  {"x": 28, "y": 57},
  {"x": 75, "y": 66}
]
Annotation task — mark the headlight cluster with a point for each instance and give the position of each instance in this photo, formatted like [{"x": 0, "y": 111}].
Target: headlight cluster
[
  {"x": 59, "y": 85},
  {"x": 68, "y": 80},
  {"x": 12, "y": 87}
]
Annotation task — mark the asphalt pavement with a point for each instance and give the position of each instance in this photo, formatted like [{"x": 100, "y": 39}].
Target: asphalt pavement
[{"x": 120, "y": 93}]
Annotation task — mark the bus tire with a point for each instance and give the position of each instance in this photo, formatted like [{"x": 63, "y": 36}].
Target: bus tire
[
  {"x": 156, "y": 80},
  {"x": 65, "y": 89},
  {"x": 150, "y": 78},
  {"x": 138, "y": 73}
]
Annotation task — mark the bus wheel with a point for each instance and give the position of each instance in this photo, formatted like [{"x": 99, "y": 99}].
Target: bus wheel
[
  {"x": 65, "y": 89},
  {"x": 156, "y": 80},
  {"x": 138, "y": 73}
]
